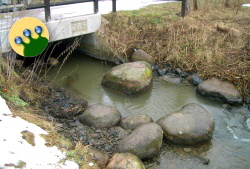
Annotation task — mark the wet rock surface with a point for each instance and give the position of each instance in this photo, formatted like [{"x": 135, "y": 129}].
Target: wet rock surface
[
  {"x": 145, "y": 141},
  {"x": 189, "y": 126},
  {"x": 219, "y": 90},
  {"x": 172, "y": 79},
  {"x": 131, "y": 122},
  {"x": 61, "y": 104},
  {"x": 100, "y": 116},
  {"x": 128, "y": 78},
  {"x": 174, "y": 156},
  {"x": 105, "y": 139},
  {"x": 125, "y": 161},
  {"x": 162, "y": 72},
  {"x": 194, "y": 79}
]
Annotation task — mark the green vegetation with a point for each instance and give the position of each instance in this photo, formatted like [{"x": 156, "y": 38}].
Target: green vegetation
[{"x": 211, "y": 41}]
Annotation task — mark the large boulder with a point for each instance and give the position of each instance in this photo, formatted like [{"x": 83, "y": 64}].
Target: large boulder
[
  {"x": 140, "y": 55},
  {"x": 131, "y": 122},
  {"x": 219, "y": 90},
  {"x": 129, "y": 78},
  {"x": 125, "y": 161},
  {"x": 100, "y": 116},
  {"x": 145, "y": 141},
  {"x": 189, "y": 126}
]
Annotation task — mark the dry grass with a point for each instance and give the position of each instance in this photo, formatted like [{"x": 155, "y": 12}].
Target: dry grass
[
  {"x": 11, "y": 85},
  {"x": 195, "y": 43}
]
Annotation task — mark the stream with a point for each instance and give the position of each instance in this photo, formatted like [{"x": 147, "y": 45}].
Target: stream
[{"x": 230, "y": 145}]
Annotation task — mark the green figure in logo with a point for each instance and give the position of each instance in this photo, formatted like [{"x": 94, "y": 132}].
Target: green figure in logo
[{"x": 35, "y": 46}]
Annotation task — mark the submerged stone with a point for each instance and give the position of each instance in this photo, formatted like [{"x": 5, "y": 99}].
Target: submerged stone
[
  {"x": 172, "y": 79},
  {"x": 128, "y": 78}
]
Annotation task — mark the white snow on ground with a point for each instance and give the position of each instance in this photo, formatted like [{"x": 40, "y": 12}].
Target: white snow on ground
[
  {"x": 4, "y": 109},
  {"x": 104, "y": 7},
  {"x": 14, "y": 149},
  {"x": 247, "y": 5}
]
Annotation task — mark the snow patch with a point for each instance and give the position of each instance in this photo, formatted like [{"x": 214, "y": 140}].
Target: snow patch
[
  {"x": 15, "y": 149},
  {"x": 4, "y": 107},
  {"x": 246, "y": 5}
]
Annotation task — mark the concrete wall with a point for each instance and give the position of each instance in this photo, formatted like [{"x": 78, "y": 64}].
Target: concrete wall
[{"x": 93, "y": 46}]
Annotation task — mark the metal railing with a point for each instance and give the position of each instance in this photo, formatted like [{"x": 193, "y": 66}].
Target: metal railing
[{"x": 46, "y": 5}]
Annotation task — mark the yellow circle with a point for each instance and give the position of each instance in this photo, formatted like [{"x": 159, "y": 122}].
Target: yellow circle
[{"x": 17, "y": 30}]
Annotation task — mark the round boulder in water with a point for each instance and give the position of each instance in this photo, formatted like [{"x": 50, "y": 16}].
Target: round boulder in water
[
  {"x": 129, "y": 78},
  {"x": 189, "y": 126},
  {"x": 219, "y": 90},
  {"x": 125, "y": 161},
  {"x": 131, "y": 122},
  {"x": 100, "y": 116},
  {"x": 145, "y": 141}
]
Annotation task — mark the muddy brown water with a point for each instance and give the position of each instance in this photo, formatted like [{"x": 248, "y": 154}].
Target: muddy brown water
[{"x": 229, "y": 147}]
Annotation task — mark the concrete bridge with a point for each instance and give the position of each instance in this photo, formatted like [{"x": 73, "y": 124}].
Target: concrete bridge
[{"x": 63, "y": 20}]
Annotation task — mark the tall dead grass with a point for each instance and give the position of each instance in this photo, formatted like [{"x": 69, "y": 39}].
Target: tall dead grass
[{"x": 209, "y": 41}]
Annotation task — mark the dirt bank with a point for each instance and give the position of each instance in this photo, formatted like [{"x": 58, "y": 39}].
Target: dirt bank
[{"x": 211, "y": 41}]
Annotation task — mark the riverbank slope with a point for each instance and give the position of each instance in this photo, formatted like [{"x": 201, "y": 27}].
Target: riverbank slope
[{"x": 212, "y": 41}]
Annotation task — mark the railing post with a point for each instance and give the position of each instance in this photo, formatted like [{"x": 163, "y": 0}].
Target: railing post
[
  {"x": 96, "y": 8},
  {"x": 185, "y": 7},
  {"x": 47, "y": 10},
  {"x": 114, "y": 5}
]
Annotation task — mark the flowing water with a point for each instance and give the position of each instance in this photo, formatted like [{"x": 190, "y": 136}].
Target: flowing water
[{"x": 230, "y": 145}]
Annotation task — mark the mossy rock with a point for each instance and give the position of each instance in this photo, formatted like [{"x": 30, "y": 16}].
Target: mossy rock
[{"x": 129, "y": 78}]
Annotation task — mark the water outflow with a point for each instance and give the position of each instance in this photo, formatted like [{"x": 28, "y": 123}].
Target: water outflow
[{"x": 230, "y": 146}]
